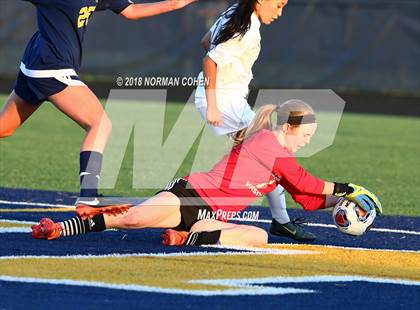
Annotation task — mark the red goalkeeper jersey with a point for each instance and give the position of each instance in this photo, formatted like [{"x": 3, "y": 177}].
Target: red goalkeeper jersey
[{"x": 254, "y": 169}]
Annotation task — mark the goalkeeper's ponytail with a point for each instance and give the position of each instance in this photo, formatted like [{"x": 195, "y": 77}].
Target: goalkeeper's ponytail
[
  {"x": 262, "y": 120},
  {"x": 294, "y": 112}
]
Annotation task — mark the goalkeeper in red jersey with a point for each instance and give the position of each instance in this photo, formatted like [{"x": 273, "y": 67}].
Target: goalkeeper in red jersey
[{"x": 253, "y": 168}]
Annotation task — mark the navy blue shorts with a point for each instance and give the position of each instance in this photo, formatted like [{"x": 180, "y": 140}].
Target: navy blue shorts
[{"x": 36, "y": 90}]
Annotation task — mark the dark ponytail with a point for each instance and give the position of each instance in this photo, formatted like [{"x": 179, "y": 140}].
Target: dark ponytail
[{"x": 239, "y": 21}]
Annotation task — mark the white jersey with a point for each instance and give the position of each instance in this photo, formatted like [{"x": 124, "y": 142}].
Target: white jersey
[{"x": 234, "y": 59}]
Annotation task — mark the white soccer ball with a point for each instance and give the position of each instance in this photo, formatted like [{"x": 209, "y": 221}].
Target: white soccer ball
[{"x": 351, "y": 219}]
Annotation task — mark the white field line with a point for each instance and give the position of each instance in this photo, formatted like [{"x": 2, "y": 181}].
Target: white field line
[
  {"x": 384, "y": 230},
  {"x": 307, "y": 279},
  {"x": 247, "y": 286},
  {"x": 14, "y": 230},
  {"x": 35, "y": 204},
  {"x": 241, "y": 251},
  {"x": 17, "y": 222},
  {"x": 314, "y": 245},
  {"x": 7, "y": 230},
  {"x": 238, "y": 290}
]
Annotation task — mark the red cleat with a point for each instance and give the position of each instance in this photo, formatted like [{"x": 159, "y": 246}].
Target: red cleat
[
  {"x": 46, "y": 229},
  {"x": 85, "y": 211},
  {"x": 173, "y": 237}
]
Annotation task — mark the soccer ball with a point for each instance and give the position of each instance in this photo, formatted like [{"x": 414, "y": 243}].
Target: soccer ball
[{"x": 352, "y": 219}]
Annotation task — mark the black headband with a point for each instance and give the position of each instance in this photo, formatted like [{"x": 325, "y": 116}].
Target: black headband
[{"x": 297, "y": 120}]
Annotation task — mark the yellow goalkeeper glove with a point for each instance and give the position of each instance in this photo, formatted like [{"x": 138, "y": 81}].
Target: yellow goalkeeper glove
[{"x": 358, "y": 194}]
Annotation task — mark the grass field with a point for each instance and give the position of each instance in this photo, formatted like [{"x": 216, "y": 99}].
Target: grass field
[{"x": 379, "y": 152}]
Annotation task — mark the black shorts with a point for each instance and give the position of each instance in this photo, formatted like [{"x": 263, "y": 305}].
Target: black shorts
[{"x": 192, "y": 205}]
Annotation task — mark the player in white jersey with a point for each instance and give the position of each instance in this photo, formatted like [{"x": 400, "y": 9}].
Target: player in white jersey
[{"x": 233, "y": 46}]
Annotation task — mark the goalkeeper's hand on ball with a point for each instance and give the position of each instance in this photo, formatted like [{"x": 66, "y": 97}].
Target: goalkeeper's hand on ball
[{"x": 358, "y": 194}]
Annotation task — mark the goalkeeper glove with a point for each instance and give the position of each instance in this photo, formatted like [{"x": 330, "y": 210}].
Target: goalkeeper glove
[{"x": 358, "y": 194}]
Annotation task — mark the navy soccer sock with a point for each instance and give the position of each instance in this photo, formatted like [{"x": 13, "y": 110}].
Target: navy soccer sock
[{"x": 90, "y": 169}]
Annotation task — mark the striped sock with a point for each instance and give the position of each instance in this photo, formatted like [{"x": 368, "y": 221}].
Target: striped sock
[
  {"x": 77, "y": 226},
  {"x": 203, "y": 237}
]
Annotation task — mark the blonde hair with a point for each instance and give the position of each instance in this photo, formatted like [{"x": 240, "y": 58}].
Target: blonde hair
[{"x": 263, "y": 117}]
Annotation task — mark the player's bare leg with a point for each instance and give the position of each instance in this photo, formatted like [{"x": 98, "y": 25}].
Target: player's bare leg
[
  {"x": 217, "y": 232},
  {"x": 233, "y": 234},
  {"x": 160, "y": 211},
  {"x": 14, "y": 113},
  {"x": 81, "y": 105}
]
